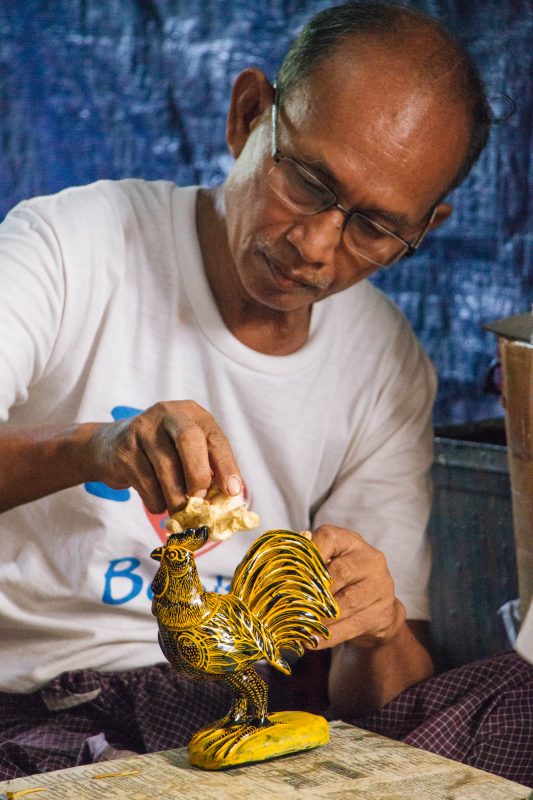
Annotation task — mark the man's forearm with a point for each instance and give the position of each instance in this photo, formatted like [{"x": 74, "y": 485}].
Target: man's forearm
[
  {"x": 39, "y": 460},
  {"x": 363, "y": 680}
]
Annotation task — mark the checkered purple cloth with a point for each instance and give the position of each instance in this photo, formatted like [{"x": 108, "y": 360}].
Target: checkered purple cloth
[
  {"x": 481, "y": 714},
  {"x": 87, "y": 716}
]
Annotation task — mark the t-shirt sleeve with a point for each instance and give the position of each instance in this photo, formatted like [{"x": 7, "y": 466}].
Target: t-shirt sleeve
[
  {"x": 383, "y": 489},
  {"x": 31, "y": 302}
]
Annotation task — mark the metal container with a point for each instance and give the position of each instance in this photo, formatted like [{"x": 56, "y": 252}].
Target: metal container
[{"x": 474, "y": 565}]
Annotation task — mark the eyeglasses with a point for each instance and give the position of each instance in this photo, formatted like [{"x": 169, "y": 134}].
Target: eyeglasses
[{"x": 303, "y": 192}]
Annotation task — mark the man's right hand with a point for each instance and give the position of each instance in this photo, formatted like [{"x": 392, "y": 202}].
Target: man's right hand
[{"x": 170, "y": 451}]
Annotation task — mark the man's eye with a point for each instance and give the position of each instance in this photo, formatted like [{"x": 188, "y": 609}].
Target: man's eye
[
  {"x": 308, "y": 184},
  {"x": 366, "y": 227},
  {"x": 308, "y": 193}
]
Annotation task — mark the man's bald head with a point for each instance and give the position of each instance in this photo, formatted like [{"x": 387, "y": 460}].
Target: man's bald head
[{"x": 423, "y": 48}]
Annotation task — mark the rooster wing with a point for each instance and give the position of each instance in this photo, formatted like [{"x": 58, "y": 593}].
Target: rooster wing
[{"x": 229, "y": 641}]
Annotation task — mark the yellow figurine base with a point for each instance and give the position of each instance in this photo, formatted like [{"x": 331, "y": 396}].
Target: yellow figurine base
[{"x": 219, "y": 748}]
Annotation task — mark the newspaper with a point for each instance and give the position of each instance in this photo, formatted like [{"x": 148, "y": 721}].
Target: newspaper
[{"x": 355, "y": 764}]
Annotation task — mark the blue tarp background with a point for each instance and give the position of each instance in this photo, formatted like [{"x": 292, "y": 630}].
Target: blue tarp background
[{"x": 95, "y": 89}]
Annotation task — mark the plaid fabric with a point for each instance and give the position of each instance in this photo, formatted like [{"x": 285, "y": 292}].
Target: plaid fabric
[
  {"x": 480, "y": 714},
  {"x": 87, "y": 716}
]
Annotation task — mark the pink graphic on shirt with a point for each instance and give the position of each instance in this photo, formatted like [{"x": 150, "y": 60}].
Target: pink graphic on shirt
[{"x": 157, "y": 522}]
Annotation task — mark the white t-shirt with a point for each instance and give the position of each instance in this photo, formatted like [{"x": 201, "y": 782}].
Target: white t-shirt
[{"x": 104, "y": 310}]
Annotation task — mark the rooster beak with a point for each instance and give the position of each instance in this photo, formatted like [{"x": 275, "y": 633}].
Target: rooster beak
[{"x": 157, "y": 554}]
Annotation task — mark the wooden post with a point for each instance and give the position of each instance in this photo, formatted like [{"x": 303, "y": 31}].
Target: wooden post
[{"x": 517, "y": 370}]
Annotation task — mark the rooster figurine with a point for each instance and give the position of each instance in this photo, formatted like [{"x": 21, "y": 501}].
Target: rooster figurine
[{"x": 278, "y": 596}]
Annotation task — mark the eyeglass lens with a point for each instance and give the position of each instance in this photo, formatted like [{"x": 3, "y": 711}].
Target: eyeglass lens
[{"x": 302, "y": 192}]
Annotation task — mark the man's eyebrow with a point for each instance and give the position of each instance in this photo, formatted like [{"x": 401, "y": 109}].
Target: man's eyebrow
[
  {"x": 322, "y": 171},
  {"x": 398, "y": 220}
]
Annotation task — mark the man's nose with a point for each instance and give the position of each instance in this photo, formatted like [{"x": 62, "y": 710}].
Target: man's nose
[{"x": 317, "y": 236}]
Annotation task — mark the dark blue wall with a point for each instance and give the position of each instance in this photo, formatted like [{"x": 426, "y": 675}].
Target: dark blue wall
[{"x": 114, "y": 88}]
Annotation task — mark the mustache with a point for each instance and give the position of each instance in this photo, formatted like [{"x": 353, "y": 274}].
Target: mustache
[{"x": 306, "y": 276}]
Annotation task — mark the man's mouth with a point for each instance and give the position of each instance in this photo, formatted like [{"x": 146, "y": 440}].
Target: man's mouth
[{"x": 286, "y": 279}]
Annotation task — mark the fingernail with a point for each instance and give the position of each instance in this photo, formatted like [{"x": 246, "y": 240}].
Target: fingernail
[
  {"x": 200, "y": 493},
  {"x": 233, "y": 485}
]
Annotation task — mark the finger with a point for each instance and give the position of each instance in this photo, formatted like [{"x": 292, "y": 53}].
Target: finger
[
  {"x": 204, "y": 451},
  {"x": 223, "y": 462},
  {"x": 191, "y": 445},
  {"x": 376, "y": 626},
  {"x": 371, "y": 626},
  {"x": 357, "y": 597},
  {"x": 360, "y": 581},
  {"x": 168, "y": 471},
  {"x": 333, "y": 542},
  {"x": 342, "y": 631},
  {"x": 145, "y": 482},
  {"x": 347, "y": 570}
]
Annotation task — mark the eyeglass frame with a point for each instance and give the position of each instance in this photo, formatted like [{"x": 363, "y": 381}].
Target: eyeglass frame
[{"x": 277, "y": 155}]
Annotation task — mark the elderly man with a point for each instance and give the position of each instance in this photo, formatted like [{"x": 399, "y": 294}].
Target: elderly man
[{"x": 196, "y": 318}]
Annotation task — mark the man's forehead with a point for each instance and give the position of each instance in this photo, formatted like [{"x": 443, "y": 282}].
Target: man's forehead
[
  {"x": 371, "y": 108},
  {"x": 420, "y": 50},
  {"x": 383, "y": 67}
]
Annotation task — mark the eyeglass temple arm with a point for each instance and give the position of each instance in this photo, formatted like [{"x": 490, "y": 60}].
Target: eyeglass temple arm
[
  {"x": 273, "y": 127},
  {"x": 413, "y": 247}
]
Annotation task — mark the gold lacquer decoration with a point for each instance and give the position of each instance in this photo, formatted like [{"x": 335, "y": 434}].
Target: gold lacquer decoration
[
  {"x": 279, "y": 593},
  {"x": 223, "y": 514}
]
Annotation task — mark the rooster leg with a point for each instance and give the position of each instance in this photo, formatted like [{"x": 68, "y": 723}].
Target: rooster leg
[
  {"x": 239, "y": 708},
  {"x": 250, "y": 698}
]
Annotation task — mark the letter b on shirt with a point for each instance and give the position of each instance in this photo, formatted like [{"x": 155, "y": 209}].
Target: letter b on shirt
[{"x": 122, "y": 583}]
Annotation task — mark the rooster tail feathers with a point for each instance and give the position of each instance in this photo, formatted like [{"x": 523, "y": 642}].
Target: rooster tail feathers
[
  {"x": 282, "y": 665},
  {"x": 283, "y": 581},
  {"x": 282, "y": 550},
  {"x": 272, "y": 654}
]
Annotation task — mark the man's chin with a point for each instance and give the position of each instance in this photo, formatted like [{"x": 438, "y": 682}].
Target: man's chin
[{"x": 261, "y": 301}]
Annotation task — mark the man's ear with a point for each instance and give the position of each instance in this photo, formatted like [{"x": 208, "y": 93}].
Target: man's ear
[
  {"x": 441, "y": 213},
  {"x": 251, "y": 96}
]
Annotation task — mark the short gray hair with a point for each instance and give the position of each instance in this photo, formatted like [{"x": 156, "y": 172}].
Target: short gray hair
[{"x": 328, "y": 29}]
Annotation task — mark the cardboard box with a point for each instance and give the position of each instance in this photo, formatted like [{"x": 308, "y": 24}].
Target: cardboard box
[{"x": 515, "y": 342}]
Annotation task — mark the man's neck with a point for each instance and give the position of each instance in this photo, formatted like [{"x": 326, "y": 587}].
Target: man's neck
[{"x": 258, "y": 327}]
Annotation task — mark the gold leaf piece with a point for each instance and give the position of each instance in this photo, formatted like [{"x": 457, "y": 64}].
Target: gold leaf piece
[
  {"x": 223, "y": 514},
  {"x": 116, "y": 774}
]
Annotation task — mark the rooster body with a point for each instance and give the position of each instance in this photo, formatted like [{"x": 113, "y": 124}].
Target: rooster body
[{"x": 279, "y": 593}]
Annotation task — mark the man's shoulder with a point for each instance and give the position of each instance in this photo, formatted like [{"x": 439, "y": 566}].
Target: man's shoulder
[
  {"x": 104, "y": 194},
  {"x": 108, "y": 212},
  {"x": 375, "y": 334},
  {"x": 366, "y": 311}
]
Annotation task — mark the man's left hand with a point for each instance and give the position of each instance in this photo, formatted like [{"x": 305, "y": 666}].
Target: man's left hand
[{"x": 370, "y": 613}]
